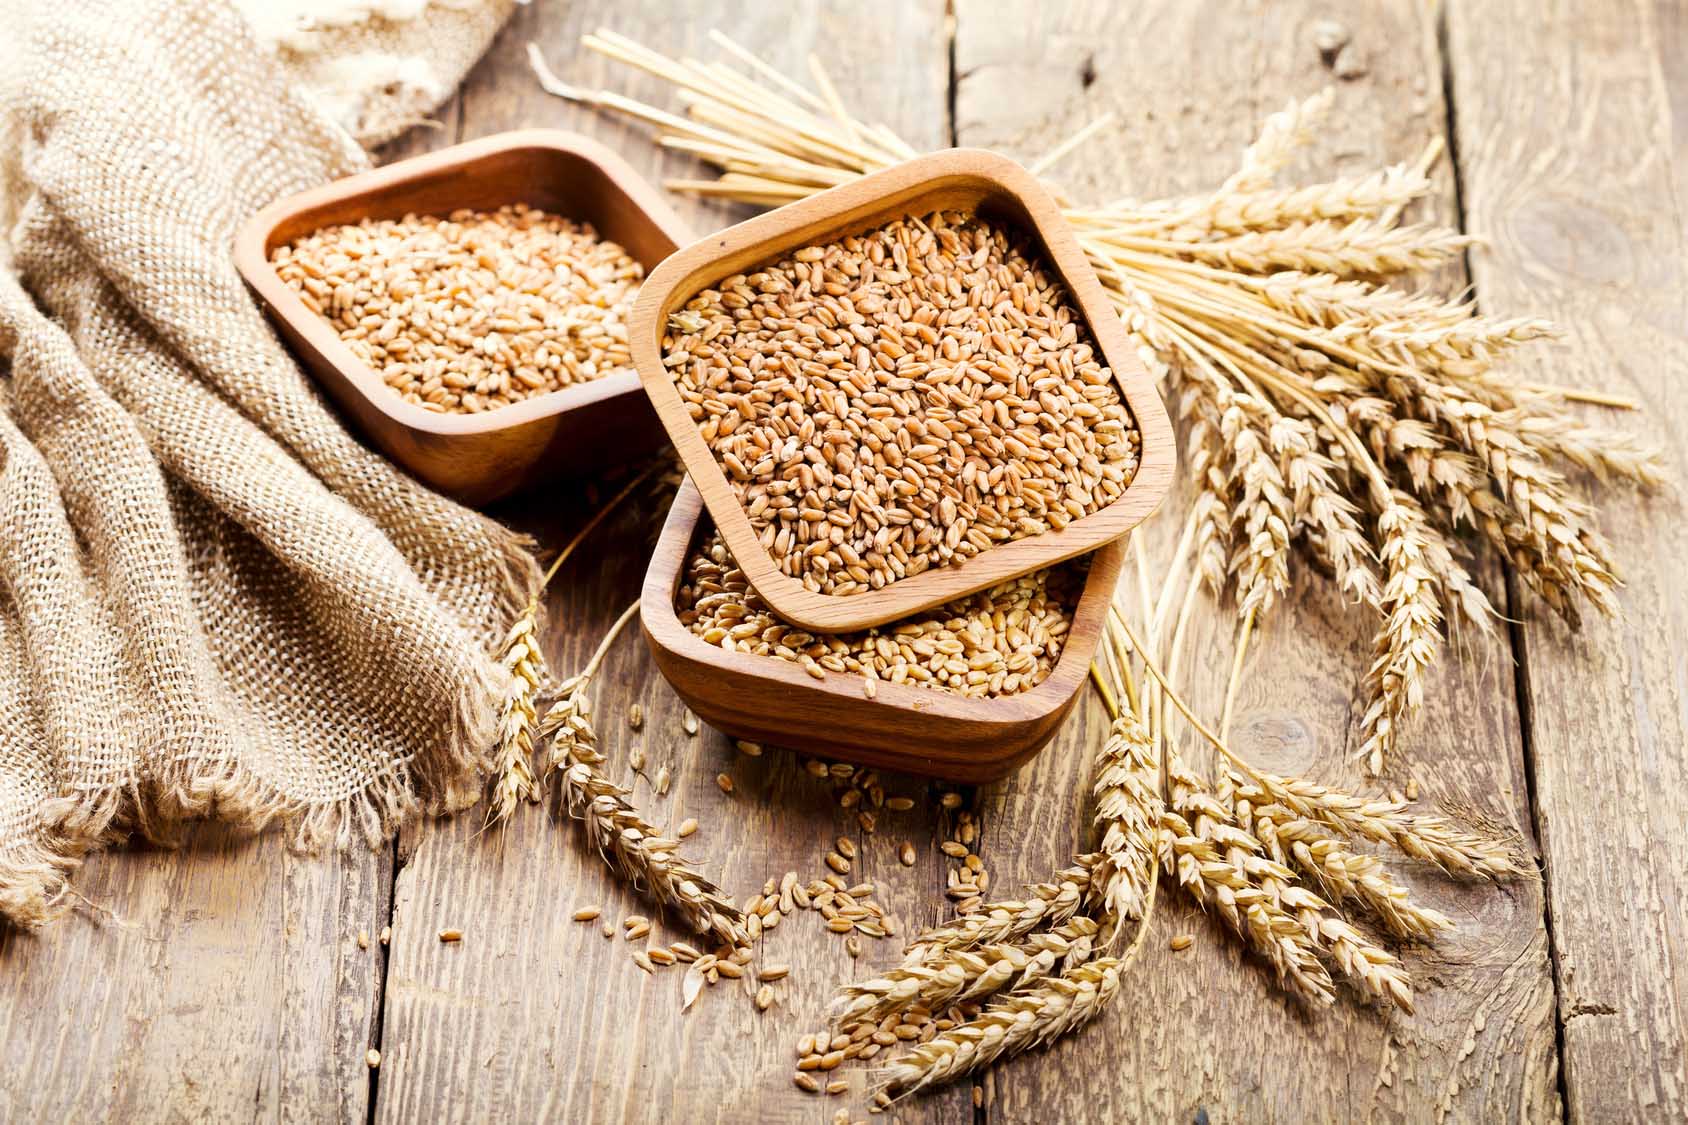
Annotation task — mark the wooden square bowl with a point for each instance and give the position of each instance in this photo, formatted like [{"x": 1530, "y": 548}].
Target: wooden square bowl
[
  {"x": 476, "y": 457},
  {"x": 903, "y": 726},
  {"x": 970, "y": 180}
]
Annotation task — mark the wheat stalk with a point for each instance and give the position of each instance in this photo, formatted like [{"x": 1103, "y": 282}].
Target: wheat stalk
[
  {"x": 513, "y": 779},
  {"x": 1036, "y": 1015},
  {"x": 961, "y": 975},
  {"x": 630, "y": 845}
]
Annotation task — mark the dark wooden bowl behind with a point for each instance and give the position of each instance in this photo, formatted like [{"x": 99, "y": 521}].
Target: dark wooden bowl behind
[
  {"x": 914, "y": 729},
  {"x": 477, "y": 457}
]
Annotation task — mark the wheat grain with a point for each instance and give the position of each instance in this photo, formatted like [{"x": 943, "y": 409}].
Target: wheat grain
[
  {"x": 474, "y": 311},
  {"x": 847, "y": 496},
  {"x": 1001, "y": 641}
]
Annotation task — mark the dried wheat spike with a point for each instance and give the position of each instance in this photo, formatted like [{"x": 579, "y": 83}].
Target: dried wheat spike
[
  {"x": 1411, "y": 634},
  {"x": 633, "y": 847},
  {"x": 1321, "y": 508},
  {"x": 1280, "y": 135},
  {"x": 1345, "y": 875},
  {"x": 1047, "y": 905},
  {"x": 967, "y": 974},
  {"x": 1352, "y": 197},
  {"x": 1024, "y": 1019},
  {"x": 513, "y": 776},
  {"x": 1231, "y": 887},
  {"x": 1420, "y": 836},
  {"x": 1128, "y": 807},
  {"x": 1356, "y": 956},
  {"x": 1359, "y": 247},
  {"x": 1262, "y": 509}
]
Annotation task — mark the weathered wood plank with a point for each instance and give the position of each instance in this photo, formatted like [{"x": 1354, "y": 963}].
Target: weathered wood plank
[
  {"x": 534, "y": 1015},
  {"x": 1204, "y": 1029},
  {"x": 1569, "y": 122},
  {"x": 222, "y": 981}
]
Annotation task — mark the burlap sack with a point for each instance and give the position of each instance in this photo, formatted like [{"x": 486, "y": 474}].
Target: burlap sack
[{"x": 213, "y": 600}]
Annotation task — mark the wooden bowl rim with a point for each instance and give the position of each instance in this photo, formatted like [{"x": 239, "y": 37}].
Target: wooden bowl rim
[
  {"x": 690, "y": 269},
  {"x": 663, "y": 628},
  {"x": 251, "y": 259}
]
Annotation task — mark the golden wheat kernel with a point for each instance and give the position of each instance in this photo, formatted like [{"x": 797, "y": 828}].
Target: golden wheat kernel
[
  {"x": 978, "y": 1097},
  {"x": 905, "y": 854},
  {"x": 725, "y": 782},
  {"x": 608, "y": 929},
  {"x": 663, "y": 778},
  {"x": 586, "y": 914},
  {"x": 684, "y": 952},
  {"x": 753, "y": 926},
  {"x": 372, "y": 1058},
  {"x": 1181, "y": 941},
  {"x": 840, "y": 925},
  {"x": 471, "y": 261},
  {"x": 688, "y": 723},
  {"x": 687, "y": 827},
  {"x": 386, "y": 934},
  {"x": 1412, "y": 788},
  {"x": 853, "y": 946},
  {"x": 729, "y": 969},
  {"x": 451, "y": 935},
  {"x": 805, "y": 1082},
  {"x": 974, "y": 863},
  {"x": 831, "y": 1060},
  {"x": 660, "y": 956},
  {"x": 806, "y": 1045},
  {"x": 749, "y": 749},
  {"x": 815, "y": 767},
  {"x": 899, "y": 804},
  {"x": 837, "y": 862},
  {"x": 810, "y": 1061},
  {"x": 846, "y": 847},
  {"x": 644, "y": 962},
  {"x": 969, "y": 832},
  {"x": 950, "y": 800},
  {"x": 850, "y": 798},
  {"x": 953, "y": 849},
  {"x": 764, "y": 997},
  {"x": 363, "y": 939},
  {"x": 837, "y": 1087}
]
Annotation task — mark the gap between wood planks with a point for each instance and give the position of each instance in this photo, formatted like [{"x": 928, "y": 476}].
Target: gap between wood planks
[{"x": 1514, "y": 594}]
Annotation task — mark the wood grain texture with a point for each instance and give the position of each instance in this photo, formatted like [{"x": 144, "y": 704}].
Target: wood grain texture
[
  {"x": 477, "y": 458},
  {"x": 1570, "y": 128},
  {"x": 217, "y": 982},
  {"x": 901, "y": 726},
  {"x": 960, "y": 179},
  {"x": 534, "y": 1016},
  {"x": 1205, "y": 1029}
]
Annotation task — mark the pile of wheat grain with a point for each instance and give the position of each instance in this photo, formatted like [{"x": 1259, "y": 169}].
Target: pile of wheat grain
[
  {"x": 1000, "y": 641},
  {"x": 901, "y": 399},
  {"x": 473, "y": 311}
]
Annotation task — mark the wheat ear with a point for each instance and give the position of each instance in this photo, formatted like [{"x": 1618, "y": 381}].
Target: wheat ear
[{"x": 632, "y": 847}]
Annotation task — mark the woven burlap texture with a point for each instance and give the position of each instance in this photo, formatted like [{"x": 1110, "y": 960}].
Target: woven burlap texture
[{"x": 214, "y": 602}]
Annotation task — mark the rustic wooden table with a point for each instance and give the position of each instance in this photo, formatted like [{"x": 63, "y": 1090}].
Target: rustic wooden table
[{"x": 224, "y": 980}]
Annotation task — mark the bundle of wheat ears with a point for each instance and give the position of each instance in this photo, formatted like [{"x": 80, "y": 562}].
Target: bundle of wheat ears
[{"x": 1326, "y": 407}]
